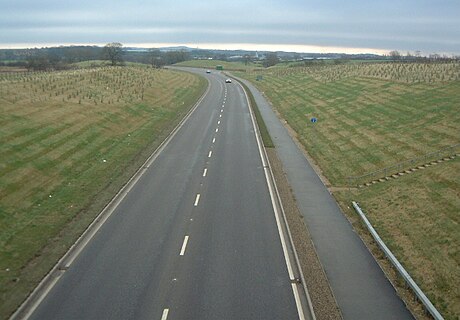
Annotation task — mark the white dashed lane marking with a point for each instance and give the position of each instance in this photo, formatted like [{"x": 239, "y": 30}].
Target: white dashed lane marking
[
  {"x": 164, "y": 316},
  {"x": 197, "y": 199},
  {"x": 205, "y": 171},
  {"x": 184, "y": 246}
]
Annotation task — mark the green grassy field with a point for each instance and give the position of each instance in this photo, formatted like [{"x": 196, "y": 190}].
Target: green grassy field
[
  {"x": 374, "y": 115},
  {"x": 68, "y": 141},
  {"x": 211, "y": 64},
  {"x": 105, "y": 63}
]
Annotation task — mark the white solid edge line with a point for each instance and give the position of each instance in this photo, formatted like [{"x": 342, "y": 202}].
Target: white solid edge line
[
  {"x": 295, "y": 290},
  {"x": 205, "y": 171},
  {"x": 197, "y": 199},
  {"x": 77, "y": 247},
  {"x": 184, "y": 246},
  {"x": 272, "y": 197},
  {"x": 164, "y": 316},
  {"x": 275, "y": 209},
  {"x": 42, "y": 297}
]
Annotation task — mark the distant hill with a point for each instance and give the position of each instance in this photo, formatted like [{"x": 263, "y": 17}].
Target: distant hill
[
  {"x": 73, "y": 54},
  {"x": 63, "y": 56}
]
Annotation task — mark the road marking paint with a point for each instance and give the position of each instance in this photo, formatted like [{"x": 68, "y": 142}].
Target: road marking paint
[
  {"x": 209, "y": 154},
  {"x": 184, "y": 245},
  {"x": 42, "y": 297},
  {"x": 272, "y": 196},
  {"x": 197, "y": 199},
  {"x": 297, "y": 301},
  {"x": 213, "y": 140},
  {"x": 221, "y": 110},
  {"x": 164, "y": 316},
  {"x": 205, "y": 171},
  {"x": 272, "y": 192},
  {"x": 220, "y": 116},
  {"x": 217, "y": 129},
  {"x": 218, "y": 122}
]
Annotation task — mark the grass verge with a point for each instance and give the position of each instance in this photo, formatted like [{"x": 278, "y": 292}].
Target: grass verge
[
  {"x": 211, "y": 64},
  {"x": 69, "y": 141},
  {"x": 266, "y": 138}
]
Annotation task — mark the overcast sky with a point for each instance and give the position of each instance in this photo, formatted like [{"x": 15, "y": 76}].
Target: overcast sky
[{"x": 298, "y": 25}]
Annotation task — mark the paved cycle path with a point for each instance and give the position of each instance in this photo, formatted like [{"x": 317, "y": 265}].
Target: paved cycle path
[{"x": 361, "y": 289}]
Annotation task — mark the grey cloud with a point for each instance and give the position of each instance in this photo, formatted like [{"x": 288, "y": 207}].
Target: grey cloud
[{"x": 406, "y": 25}]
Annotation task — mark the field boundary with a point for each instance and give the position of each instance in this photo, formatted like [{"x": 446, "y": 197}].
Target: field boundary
[
  {"x": 405, "y": 167},
  {"x": 429, "y": 307},
  {"x": 25, "y": 310}
]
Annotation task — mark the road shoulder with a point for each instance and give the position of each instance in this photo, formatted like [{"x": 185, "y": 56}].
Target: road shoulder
[{"x": 323, "y": 301}]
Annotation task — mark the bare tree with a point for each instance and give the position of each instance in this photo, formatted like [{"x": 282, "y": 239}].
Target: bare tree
[
  {"x": 154, "y": 58},
  {"x": 246, "y": 59},
  {"x": 409, "y": 56},
  {"x": 270, "y": 59},
  {"x": 395, "y": 55},
  {"x": 114, "y": 52}
]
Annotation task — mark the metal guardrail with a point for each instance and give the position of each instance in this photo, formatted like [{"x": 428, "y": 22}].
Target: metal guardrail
[
  {"x": 403, "y": 273},
  {"x": 404, "y": 165}
]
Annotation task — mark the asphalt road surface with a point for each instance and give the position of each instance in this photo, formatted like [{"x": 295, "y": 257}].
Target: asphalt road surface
[{"x": 195, "y": 238}]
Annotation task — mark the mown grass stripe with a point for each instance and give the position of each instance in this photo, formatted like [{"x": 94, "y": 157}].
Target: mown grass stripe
[
  {"x": 59, "y": 128},
  {"x": 371, "y": 116}
]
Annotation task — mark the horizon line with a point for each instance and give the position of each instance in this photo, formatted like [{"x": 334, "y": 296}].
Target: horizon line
[{"x": 297, "y": 48}]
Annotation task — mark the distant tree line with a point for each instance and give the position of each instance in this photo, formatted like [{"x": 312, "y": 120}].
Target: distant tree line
[
  {"x": 59, "y": 58},
  {"x": 48, "y": 58},
  {"x": 416, "y": 56}
]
